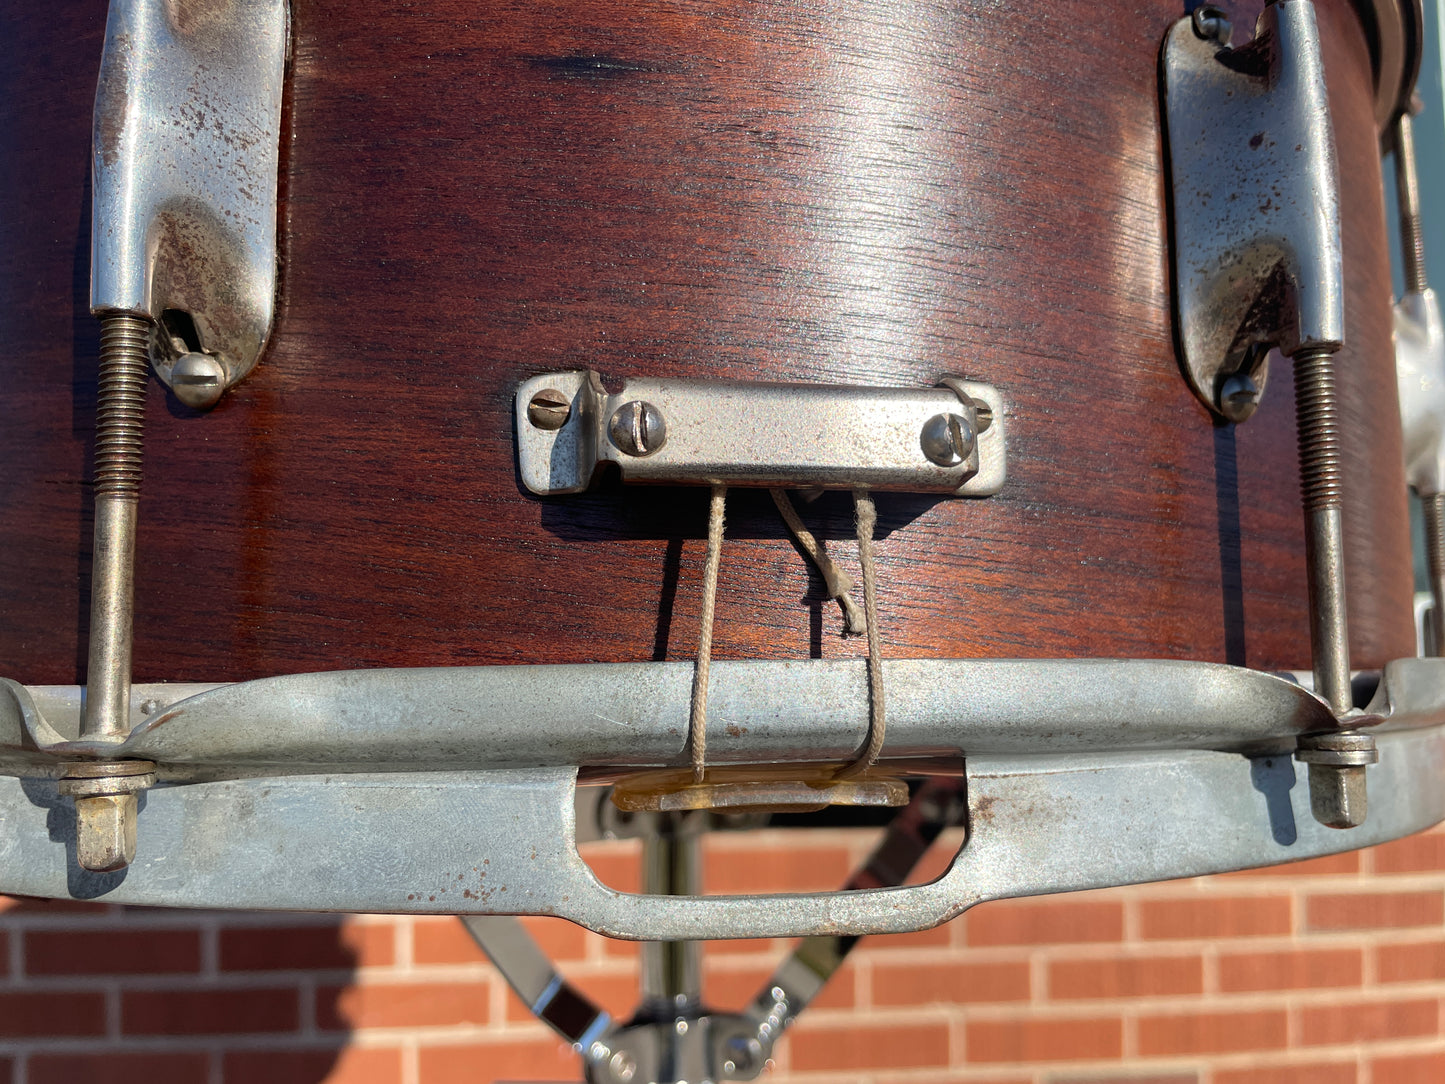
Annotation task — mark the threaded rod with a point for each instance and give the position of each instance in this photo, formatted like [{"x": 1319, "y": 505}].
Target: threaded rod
[
  {"x": 120, "y": 409},
  {"x": 1407, "y": 190},
  {"x": 1319, "y": 454},
  {"x": 1434, "y": 507}
]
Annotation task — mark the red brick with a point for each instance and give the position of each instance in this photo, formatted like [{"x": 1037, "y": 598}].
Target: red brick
[
  {"x": 308, "y": 948},
  {"x": 1354, "y": 1022},
  {"x": 1373, "y": 910},
  {"x": 1304, "y": 969},
  {"x": 1126, "y": 977},
  {"x": 1415, "y": 962},
  {"x": 1408, "y": 1069},
  {"x": 403, "y": 1005},
  {"x": 46, "y": 1014},
  {"x": 446, "y": 941},
  {"x": 615, "y": 949},
  {"x": 947, "y": 981},
  {"x": 1052, "y": 922},
  {"x": 1211, "y": 1033},
  {"x": 1128, "y": 1078},
  {"x": 208, "y": 1012},
  {"x": 1224, "y": 916},
  {"x": 349, "y": 1065},
  {"x": 938, "y": 937},
  {"x": 616, "y": 868},
  {"x": 1033, "y": 1039},
  {"x": 1330, "y": 1073},
  {"x": 542, "y": 1058},
  {"x": 859, "y": 1045},
  {"x": 935, "y": 861},
  {"x": 734, "y": 988},
  {"x": 617, "y": 993},
  {"x": 112, "y": 951},
  {"x": 1329, "y": 865},
  {"x": 1420, "y": 853},
  {"x": 743, "y": 946},
  {"x": 736, "y": 870},
  {"x": 115, "y": 1067},
  {"x": 4, "y": 958}
]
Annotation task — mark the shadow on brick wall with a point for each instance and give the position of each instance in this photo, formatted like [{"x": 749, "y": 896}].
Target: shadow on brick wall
[{"x": 129, "y": 995}]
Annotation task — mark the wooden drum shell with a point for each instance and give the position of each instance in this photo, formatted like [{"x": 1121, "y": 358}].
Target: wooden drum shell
[{"x": 860, "y": 192}]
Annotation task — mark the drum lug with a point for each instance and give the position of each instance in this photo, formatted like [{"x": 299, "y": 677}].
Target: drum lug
[
  {"x": 947, "y": 439},
  {"x": 186, "y": 154},
  {"x": 1255, "y": 207}
]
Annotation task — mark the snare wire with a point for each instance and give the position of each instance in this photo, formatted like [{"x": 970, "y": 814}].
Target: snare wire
[
  {"x": 866, "y": 518},
  {"x": 697, "y": 717}
]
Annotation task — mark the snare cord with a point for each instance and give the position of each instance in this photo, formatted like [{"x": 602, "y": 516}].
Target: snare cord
[
  {"x": 866, "y": 517},
  {"x": 838, "y": 582},
  {"x": 697, "y": 718}
]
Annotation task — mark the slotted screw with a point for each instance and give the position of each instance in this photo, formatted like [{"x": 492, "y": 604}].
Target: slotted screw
[
  {"x": 549, "y": 409},
  {"x": 948, "y": 439},
  {"x": 637, "y": 428}
]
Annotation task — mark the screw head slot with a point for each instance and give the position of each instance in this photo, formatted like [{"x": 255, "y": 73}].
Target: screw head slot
[
  {"x": 198, "y": 380},
  {"x": 948, "y": 439},
  {"x": 549, "y": 409},
  {"x": 637, "y": 428}
]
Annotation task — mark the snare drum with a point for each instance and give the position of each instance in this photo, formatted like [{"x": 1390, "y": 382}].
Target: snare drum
[
  {"x": 853, "y": 193},
  {"x": 832, "y": 197}
]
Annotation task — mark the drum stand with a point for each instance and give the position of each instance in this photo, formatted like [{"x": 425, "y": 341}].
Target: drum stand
[{"x": 672, "y": 1036}]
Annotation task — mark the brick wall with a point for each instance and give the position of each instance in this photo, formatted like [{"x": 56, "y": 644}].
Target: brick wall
[{"x": 1329, "y": 972}]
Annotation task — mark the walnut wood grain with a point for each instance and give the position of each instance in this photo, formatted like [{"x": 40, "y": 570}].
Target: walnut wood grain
[{"x": 859, "y": 191}]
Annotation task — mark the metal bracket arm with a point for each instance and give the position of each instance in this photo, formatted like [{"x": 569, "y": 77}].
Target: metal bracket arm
[
  {"x": 947, "y": 440},
  {"x": 186, "y": 156},
  {"x": 1257, "y": 256},
  {"x": 453, "y": 791}
]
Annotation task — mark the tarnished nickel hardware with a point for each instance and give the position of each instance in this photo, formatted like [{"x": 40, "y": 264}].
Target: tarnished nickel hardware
[
  {"x": 948, "y": 439},
  {"x": 1255, "y": 199},
  {"x": 1420, "y": 368},
  {"x": 1257, "y": 267},
  {"x": 183, "y": 272},
  {"x": 427, "y": 773},
  {"x": 187, "y": 145},
  {"x": 105, "y": 794}
]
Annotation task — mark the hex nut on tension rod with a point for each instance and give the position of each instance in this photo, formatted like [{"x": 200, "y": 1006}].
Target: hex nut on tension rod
[
  {"x": 106, "y": 806},
  {"x": 1338, "y": 797}
]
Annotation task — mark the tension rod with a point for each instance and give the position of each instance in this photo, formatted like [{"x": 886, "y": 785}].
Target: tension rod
[
  {"x": 1412, "y": 242},
  {"x": 105, "y": 791}
]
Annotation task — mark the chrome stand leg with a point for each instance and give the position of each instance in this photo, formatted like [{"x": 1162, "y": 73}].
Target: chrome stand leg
[{"x": 671, "y": 970}]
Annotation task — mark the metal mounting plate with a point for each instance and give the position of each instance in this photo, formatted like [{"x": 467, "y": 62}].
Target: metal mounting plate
[
  {"x": 1257, "y": 256},
  {"x": 755, "y": 434},
  {"x": 187, "y": 146}
]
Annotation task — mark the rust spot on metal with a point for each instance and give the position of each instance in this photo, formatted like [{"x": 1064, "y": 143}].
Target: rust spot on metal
[
  {"x": 189, "y": 16},
  {"x": 982, "y": 811},
  {"x": 162, "y": 719}
]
